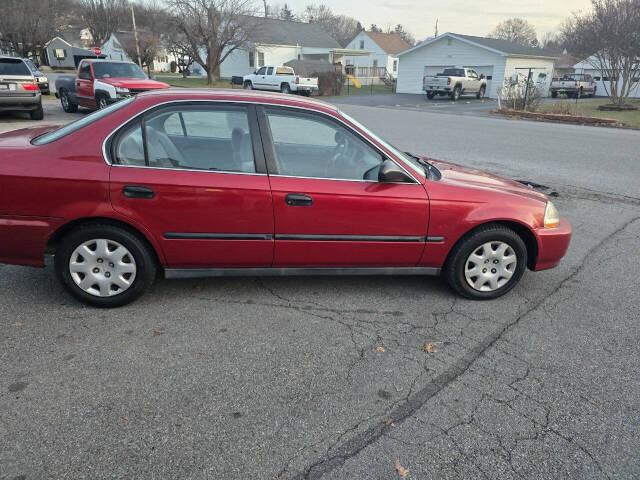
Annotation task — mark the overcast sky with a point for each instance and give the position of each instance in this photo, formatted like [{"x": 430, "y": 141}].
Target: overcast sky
[{"x": 458, "y": 16}]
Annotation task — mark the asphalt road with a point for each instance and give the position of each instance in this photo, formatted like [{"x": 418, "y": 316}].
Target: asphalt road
[{"x": 327, "y": 377}]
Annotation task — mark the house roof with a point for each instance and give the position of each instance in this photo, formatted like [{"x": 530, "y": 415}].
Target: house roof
[
  {"x": 272, "y": 31},
  {"x": 391, "y": 43},
  {"x": 502, "y": 47}
]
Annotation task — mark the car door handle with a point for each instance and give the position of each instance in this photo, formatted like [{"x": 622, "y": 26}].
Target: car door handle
[
  {"x": 298, "y": 200},
  {"x": 137, "y": 191}
]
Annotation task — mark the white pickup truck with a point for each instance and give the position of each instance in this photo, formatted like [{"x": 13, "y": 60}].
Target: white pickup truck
[
  {"x": 455, "y": 82},
  {"x": 574, "y": 85},
  {"x": 281, "y": 79}
]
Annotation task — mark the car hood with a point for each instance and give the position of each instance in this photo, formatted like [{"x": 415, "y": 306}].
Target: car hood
[
  {"x": 137, "y": 83},
  {"x": 459, "y": 175},
  {"x": 23, "y": 136}
]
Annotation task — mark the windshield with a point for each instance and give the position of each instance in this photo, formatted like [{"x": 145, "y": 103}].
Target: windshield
[
  {"x": 412, "y": 162},
  {"x": 78, "y": 124},
  {"x": 13, "y": 66},
  {"x": 117, "y": 70}
]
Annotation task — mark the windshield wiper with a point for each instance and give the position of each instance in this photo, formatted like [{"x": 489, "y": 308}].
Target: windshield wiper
[{"x": 430, "y": 171}]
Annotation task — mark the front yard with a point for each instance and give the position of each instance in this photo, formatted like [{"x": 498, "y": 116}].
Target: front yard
[{"x": 589, "y": 108}]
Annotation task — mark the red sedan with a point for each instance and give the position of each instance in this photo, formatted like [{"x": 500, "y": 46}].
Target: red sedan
[{"x": 219, "y": 183}]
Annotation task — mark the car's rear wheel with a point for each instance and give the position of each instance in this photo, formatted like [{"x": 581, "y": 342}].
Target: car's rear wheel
[
  {"x": 455, "y": 95},
  {"x": 67, "y": 105},
  {"x": 486, "y": 263},
  {"x": 37, "y": 114},
  {"x": 104, "y": 265},
  {"x": 430, "y": 95},
  {"x": 554, "y": 94},
  {"x": 284, "y": 88}
]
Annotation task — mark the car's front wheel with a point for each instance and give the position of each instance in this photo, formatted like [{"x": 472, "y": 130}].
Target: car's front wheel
[
  {"x": 486, "y": 263},
  {"x": 104, "y": 265}
]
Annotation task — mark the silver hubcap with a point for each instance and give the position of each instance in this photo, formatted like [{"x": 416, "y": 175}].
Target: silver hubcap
[
  {"x": 64, "y": 100},
  {"x": 103, "y": 268},
  {"x": 490, "y": 266},
  {"x": 102, "y": 103}
]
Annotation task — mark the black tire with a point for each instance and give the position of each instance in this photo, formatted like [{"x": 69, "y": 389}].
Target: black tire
[
  {"x": 430, "y": 95},
  {"x": 144, "y": 262},
  {"x": 38, "y": 113},
  {"x": 480, "y": 93},
  {"x": 67, "y": 105},
  {"x": 454, "y": 269},
  {"x": 455, "y": 95},
  {"x": 305, "y": 93},
  {"x": 554, "y": 94},
  {"x": 102, "y": 101},
  {"x": 284, "y": 88},
  {"x": 247, "y": 85}
]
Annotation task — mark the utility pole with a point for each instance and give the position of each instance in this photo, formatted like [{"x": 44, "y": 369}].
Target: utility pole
[
  {"x": 135, "y": 34},
  {"x": 435, "y": 33},
  {"x": 266, "y": 8}
]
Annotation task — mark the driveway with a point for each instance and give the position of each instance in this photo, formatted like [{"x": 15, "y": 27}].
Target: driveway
[{"x": 308, "y": 378}]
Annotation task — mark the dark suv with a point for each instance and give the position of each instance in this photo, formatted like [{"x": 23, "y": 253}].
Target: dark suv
[{"x": 19, "y": 91}]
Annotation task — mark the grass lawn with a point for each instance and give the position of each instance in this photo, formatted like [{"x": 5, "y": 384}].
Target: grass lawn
[{"x": 589, "y": 108}]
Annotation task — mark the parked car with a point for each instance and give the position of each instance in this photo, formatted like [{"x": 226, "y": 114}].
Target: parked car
[
  {"x": 455, "y": 82},
  {"x": 282, "y": 79},
  {"x": 19, "y": 90},
  {"x": 41, "y": 78},
  {"x": 574, "y": 85},
  {"x": 195, "y": 184},
  {"x": 99, "y": 83}
]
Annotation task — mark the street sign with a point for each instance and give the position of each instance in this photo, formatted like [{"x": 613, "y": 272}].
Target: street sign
[{"x": 97, "y": 51}]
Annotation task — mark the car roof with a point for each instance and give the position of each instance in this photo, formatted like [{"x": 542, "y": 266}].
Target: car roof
[
  {"x": 236, "y": 95},
  {"x": 105, "y": 60},
  {"x": 9, "y": 57}
]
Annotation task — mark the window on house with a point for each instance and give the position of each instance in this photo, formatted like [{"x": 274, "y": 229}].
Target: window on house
[
  {"x": 252, "y": 59},
  {"x": 395, "y": 65},
  {"x": 260, "y": 59},
  {"x": 60, "y": 53},
  {"x": 597, "y": 79},
  {"x": 361, "y": 44}
]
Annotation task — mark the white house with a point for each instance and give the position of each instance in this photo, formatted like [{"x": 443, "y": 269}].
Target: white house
[
  {"x": 275, "y": 42},
  {"x": 384, "y": 48},
  {"x": 112, "y": 49},
  {"x": 589, "y": 66},
  {"x": 496, "y": 59}
]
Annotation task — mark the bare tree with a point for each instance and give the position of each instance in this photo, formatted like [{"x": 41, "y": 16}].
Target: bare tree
[
  {"x": 179, "y": 47},
  {"x": 552, "y": 41},
  {"x": 26, "y": 25},
  {"x": 103, "y": 17},
  {"x": 214, "y": 29},
  {"x": 609, "y": 38},
  {"x": 149, "y": 46},
  {"x": 406, "y": 36},
  {"x": 516, "y": 30},
  {"x": 340, "y": 27}
]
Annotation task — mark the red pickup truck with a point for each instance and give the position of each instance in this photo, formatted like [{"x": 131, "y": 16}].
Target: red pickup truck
[{"x": 102, "y": 82}]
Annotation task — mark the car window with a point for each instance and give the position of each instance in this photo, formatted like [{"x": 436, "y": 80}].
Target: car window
[
  {"x": 199, "y": 137},
  {"x": 117, "y": 70},
  {"x": 308, "y": 145},
  {"x": 83, "y": 122},
  {"x": 473, "y": 74},
  {"x": 85, "y": 71},
  {"x": 270, "y": 71},
  {"x": 13, "y": 66},
  {"x": 262, "y": 70}
]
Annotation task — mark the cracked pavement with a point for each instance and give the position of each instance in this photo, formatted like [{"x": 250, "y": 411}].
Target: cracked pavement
[{"x": 308, "y": 378}]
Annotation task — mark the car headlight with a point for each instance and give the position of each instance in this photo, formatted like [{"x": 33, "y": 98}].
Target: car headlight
[
  {"x": 551, "y": 216},
  {"x": 122, "y": 90},
  {"x": 42, "y": 79}
]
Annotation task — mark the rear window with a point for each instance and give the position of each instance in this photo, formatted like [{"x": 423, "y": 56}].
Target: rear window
[
  {"x": 13, "y": 66},
  {"x": 452, "y": 72},
  {"x": 78, "y": 124}
]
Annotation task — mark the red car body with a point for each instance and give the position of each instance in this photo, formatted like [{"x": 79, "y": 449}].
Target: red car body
[{"x": 47, "y": 190}]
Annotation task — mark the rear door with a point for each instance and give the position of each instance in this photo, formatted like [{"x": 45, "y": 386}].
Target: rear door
[
  {"x": 194, "y": 176},
  {"x": 16, "y": 80},
  {"x": 84, "y": 85},
  {"x": 329, "y": 208}
]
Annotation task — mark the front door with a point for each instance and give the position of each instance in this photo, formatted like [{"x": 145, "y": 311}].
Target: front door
[
  {"x": 84, "y": 85},
  {"x": 329, "y": 208},
  {"x": 193, "y": 177}
]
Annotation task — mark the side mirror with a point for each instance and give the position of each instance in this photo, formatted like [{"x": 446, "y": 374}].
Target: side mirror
[{"x": 390, "y": 172}]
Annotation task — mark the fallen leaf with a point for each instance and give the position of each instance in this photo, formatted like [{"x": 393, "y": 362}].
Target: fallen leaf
[
  {"x": 381, "y": 349},
  {"x": 430, "y": 348},
  {"x": 402, "y": 472},
  {"x": 388, "y": 422},
  {"x": 157, "y": 333},
  {"x": 19, "y": 324}
]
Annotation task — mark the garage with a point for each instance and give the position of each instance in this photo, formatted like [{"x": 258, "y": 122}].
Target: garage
[{"x": 495, "y": 59}]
